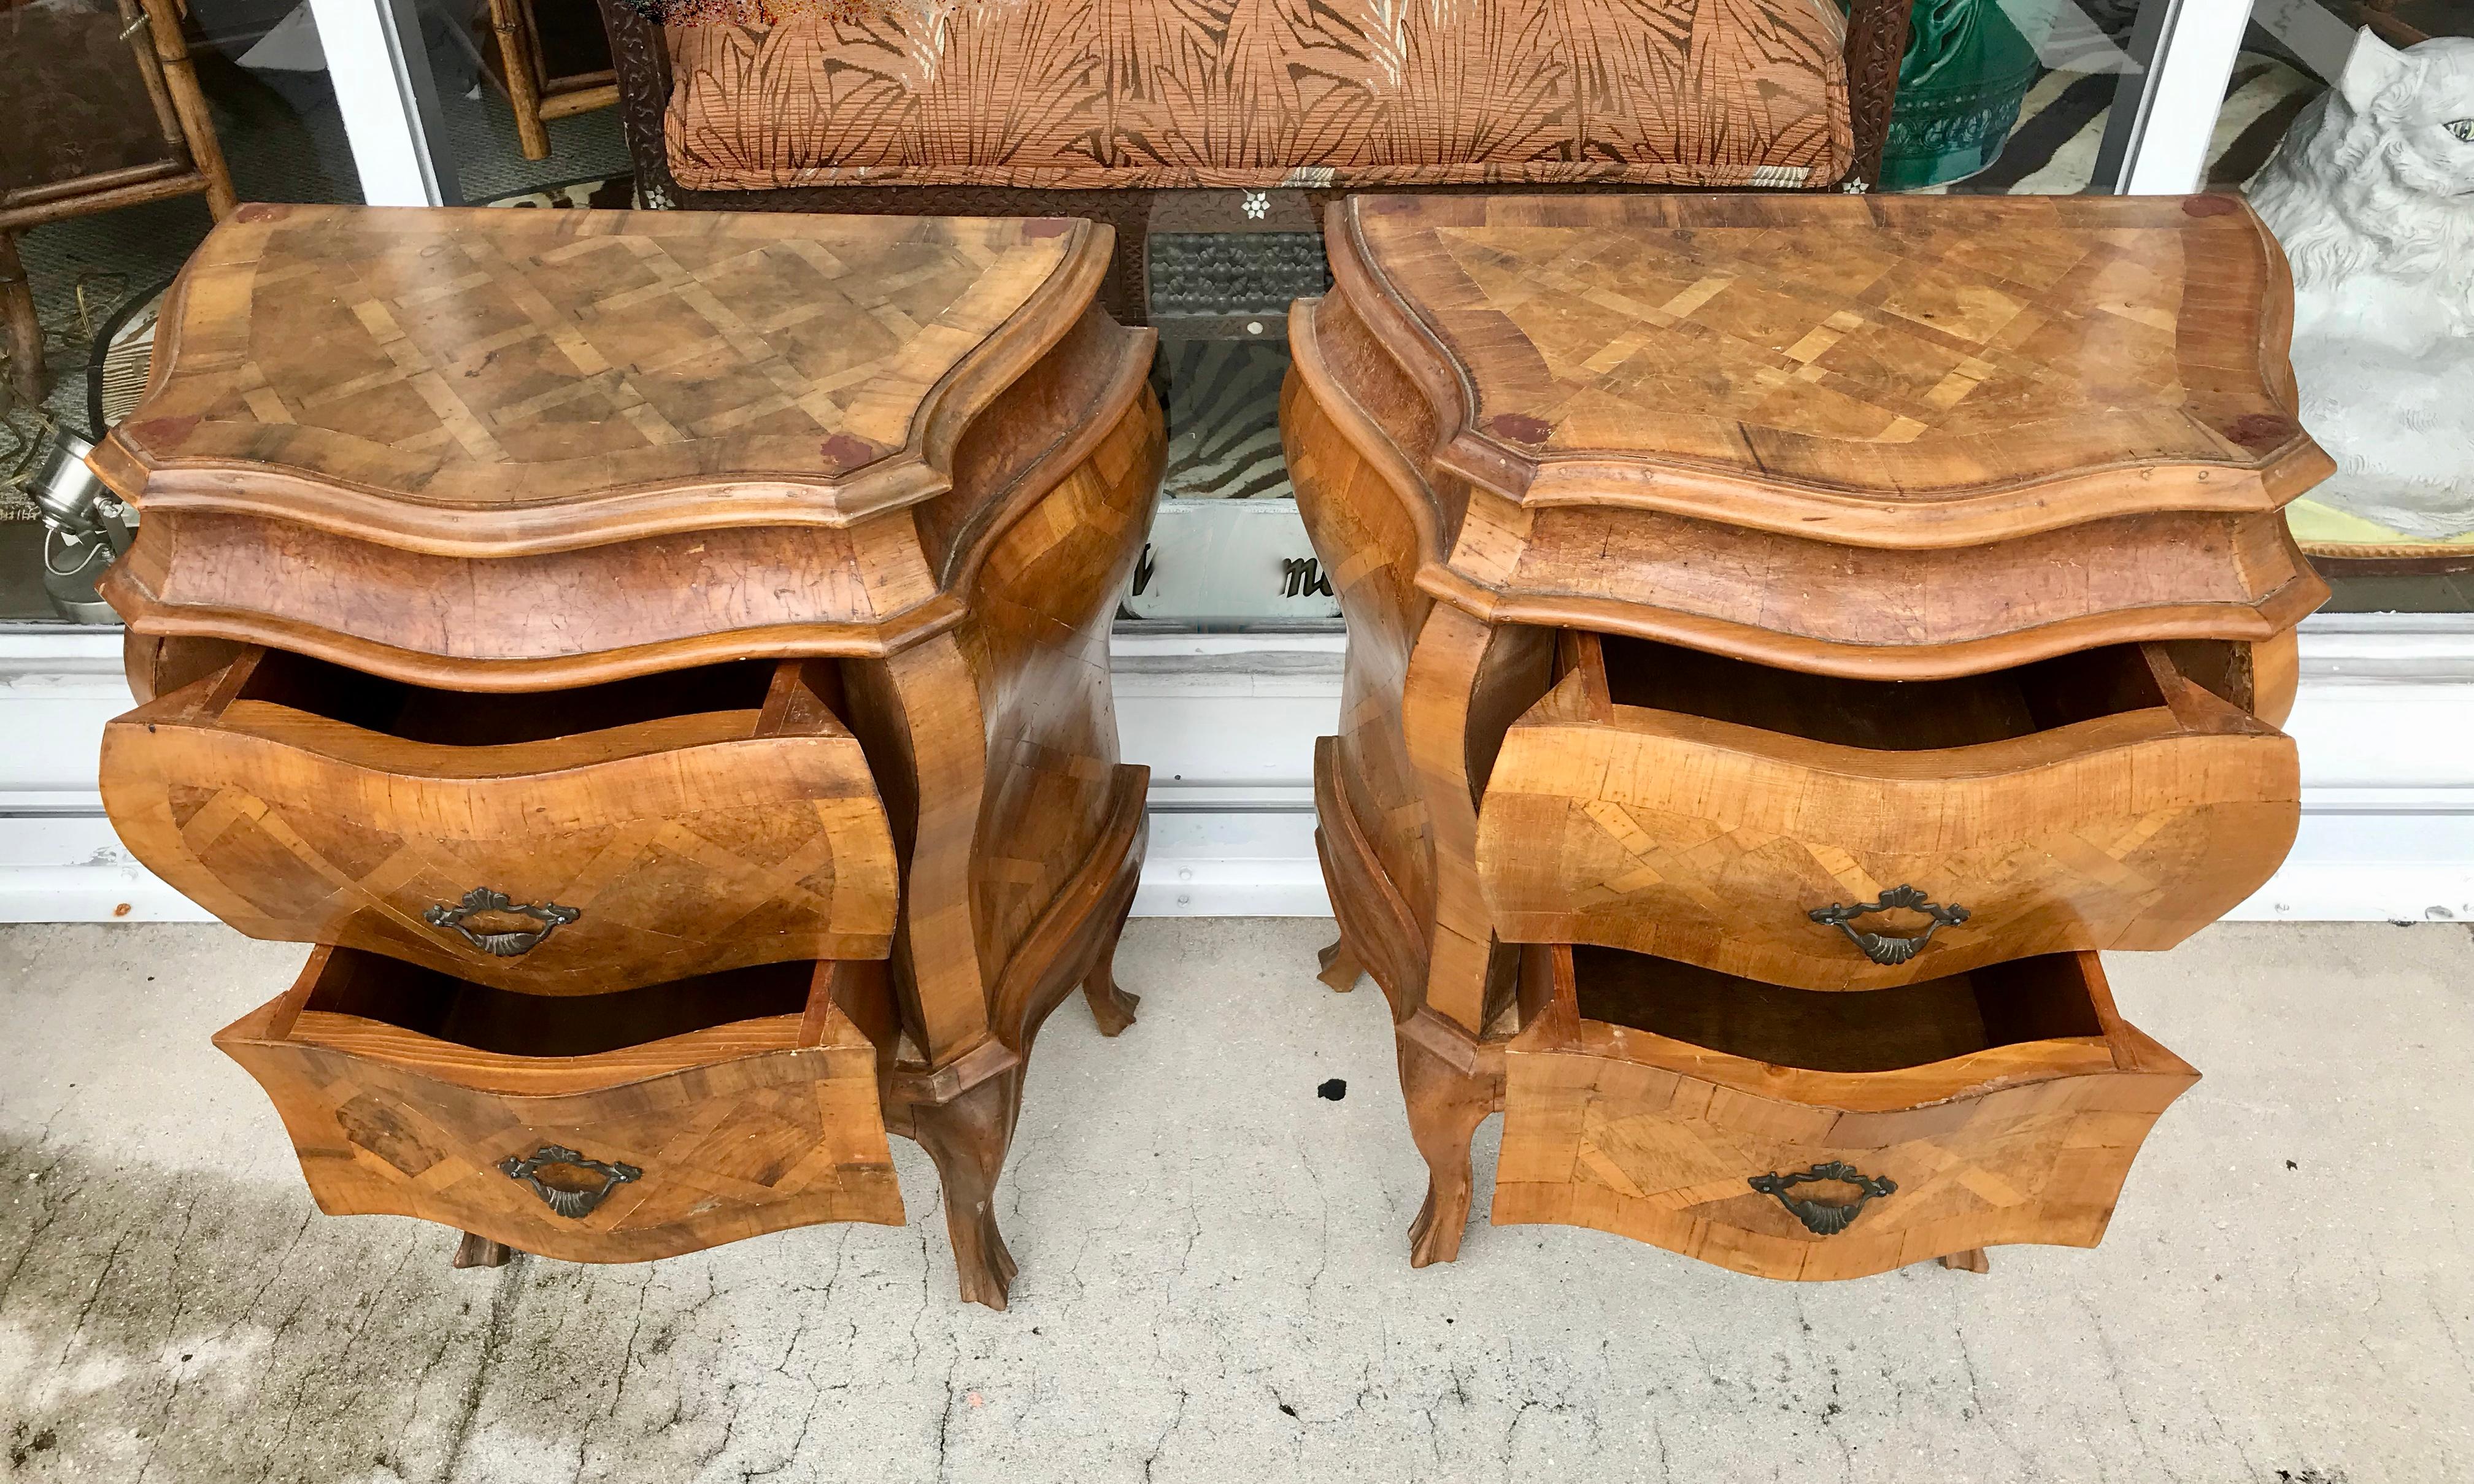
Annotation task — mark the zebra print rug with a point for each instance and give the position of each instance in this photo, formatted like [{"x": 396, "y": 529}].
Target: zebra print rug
[
  {"x": 2052, "y": 151},
  {"x": 1224, "y": 418}
]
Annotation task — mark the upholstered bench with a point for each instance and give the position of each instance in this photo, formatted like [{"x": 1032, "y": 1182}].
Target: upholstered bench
[{"x": 1224, "y": 117}]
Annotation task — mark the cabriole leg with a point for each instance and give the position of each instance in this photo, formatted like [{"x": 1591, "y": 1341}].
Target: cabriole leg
[
  {"x": 967, "y": 1136},
  {"x": 1445, "y": 1106},
  {"x": 1340, "y": 966},
  {"x": 1111, "y": 1006}
]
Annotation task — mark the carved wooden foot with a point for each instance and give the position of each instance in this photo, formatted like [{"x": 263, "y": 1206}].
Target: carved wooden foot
[
  {"x": 967, "y": 1136},
  {"x": 480, "y": 1252},
  {"x": 1340, "y": 967},
  {"x": 1446, "y": 1103},
  {"x": 1972, "y": 1260},
  {"x": 1111, "y": 1006}
]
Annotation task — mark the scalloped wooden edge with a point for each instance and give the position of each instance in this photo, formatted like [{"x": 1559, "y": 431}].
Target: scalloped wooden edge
[
  {"x": 1119, "y": 397},
  {"x": 2277, "y": 613},
  {"x": 826, "y": 1028},
  {"x": 920, "y": 471},
  {"x": 1801, "y": 508}
]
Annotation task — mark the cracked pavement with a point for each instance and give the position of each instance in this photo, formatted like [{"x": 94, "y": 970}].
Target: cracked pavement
[{"x": 1215, "y": 1282}]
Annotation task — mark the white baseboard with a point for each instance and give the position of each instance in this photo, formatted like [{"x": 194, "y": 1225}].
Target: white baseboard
[
  {"x": 1231, "y": 865},
  {"x": 2386, "y": 706},
  {"x": 1227, "y": 724},
  {"x": 73, "y": 868}
]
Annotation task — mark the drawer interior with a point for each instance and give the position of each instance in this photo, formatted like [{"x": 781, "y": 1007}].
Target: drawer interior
[
  {"x": 459, "y": 719},
  {"x": 371, "y": 986},
  {"x": 1894, "y": 716},
  {"x": 2036, "y": 999}
]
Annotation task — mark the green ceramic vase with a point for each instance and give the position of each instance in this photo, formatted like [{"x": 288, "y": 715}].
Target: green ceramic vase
[{"x": 1960, "y": 84}]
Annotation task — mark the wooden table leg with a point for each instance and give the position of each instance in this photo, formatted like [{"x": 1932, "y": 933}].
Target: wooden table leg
[
  {"x": 1111, "y": 1006},
  {"x": 25, "y": 332},
  {"x": 1448, "y": 1096},
  {"x": 480, "y": 1252},
  {"x": 1340, "y": 966},
  {"x": 967, "y": 1134},
  {"x": 1972, "y": 1260}
]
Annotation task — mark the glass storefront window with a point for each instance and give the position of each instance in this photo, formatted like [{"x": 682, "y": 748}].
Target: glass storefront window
[
  {"x": 1227, "y": 550},
  {"x": 527, "y": 108},
  {"x": 119, "y": 121},
  {"x": 2044, "y": 97},
  {"x": 1996, "y": 97}
]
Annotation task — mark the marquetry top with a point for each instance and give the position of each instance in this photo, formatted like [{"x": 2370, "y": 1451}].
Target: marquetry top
[
  {"x": 1845, "y": 367},
  {"x": 482, "y": 380}
]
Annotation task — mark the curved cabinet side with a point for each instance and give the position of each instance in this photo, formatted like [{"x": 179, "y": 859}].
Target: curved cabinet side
[{"x": 1365, "y": 543}]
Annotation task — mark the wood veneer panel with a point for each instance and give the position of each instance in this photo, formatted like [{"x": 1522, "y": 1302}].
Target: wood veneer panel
[
  {"x": 2065, "y": 491},
  {"x": 1656, "y": 1139},
  {"x": 529, "y": 455},
  {"x": 1709, "y": 841},
  {"x": 687, "y": 843},
  {"x": 1852, "y": 359},
  {"x": 461, "y": 381},
  {"x": 732, "y": 1131}
]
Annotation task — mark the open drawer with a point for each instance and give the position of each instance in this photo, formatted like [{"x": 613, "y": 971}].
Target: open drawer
[
  {"x": 1837, "y": 833},
  {"x": 554, "y": 842},
  {"x": 1797, "y": 1135},
  {"x": 623, "y": 1127}
]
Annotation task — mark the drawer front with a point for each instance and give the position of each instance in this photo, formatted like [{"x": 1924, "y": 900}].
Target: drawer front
[
  {"x": 1716, "y": 844},
  {"x": 1626, "y": 1133},
  {"x": 607, "y": 874},
  {"x": 758, "y": 1138}
]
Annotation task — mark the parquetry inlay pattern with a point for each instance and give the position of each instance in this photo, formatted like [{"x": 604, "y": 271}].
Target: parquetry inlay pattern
[
  {"x": 1696, "y": 853},
  {"x": 1598, "y": 1140},
  {"x": 505, "y": 358},
  {"x": 2021, "y": 334},
  {"x": 763, "y": 850},
  {"x": 779, "y": 1140}
]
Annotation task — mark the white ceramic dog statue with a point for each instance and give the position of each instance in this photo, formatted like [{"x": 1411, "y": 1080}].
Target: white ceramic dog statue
[{"x": 2373, "y": 194}]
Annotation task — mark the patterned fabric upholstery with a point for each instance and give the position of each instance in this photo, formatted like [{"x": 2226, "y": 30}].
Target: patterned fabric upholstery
[{"x": 1169, "y": 93}]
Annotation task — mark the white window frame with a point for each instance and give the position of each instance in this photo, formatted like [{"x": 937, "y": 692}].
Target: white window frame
[
  {"x": 383, "y": 89},
  {"x": 2165, "y": 113}
]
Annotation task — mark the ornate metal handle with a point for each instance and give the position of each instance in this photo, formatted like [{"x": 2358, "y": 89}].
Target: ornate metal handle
[
  {"x": 502, "y": 945},
  {"x": 1879, "y": 948},
  {"x": 567, "y": 1202},
  {"x": 1824, "y": 1218}
]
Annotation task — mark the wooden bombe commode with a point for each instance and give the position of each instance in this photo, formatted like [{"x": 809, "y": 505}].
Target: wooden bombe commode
[
  {"x": 1788, "y": 637},
  {"x": 661, "y": 659}
]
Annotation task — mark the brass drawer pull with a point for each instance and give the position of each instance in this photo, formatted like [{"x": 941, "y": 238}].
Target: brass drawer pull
[
  {"x": 1824, "y": 1218},
  {"x": 501, "y": 945},
  {"x": 558, "y": 1197},
  {"x": 1879, "y": 948}
]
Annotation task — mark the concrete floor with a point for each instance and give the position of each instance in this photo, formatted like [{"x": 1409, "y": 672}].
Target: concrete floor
[{"x": 1214, "y": 1284}]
